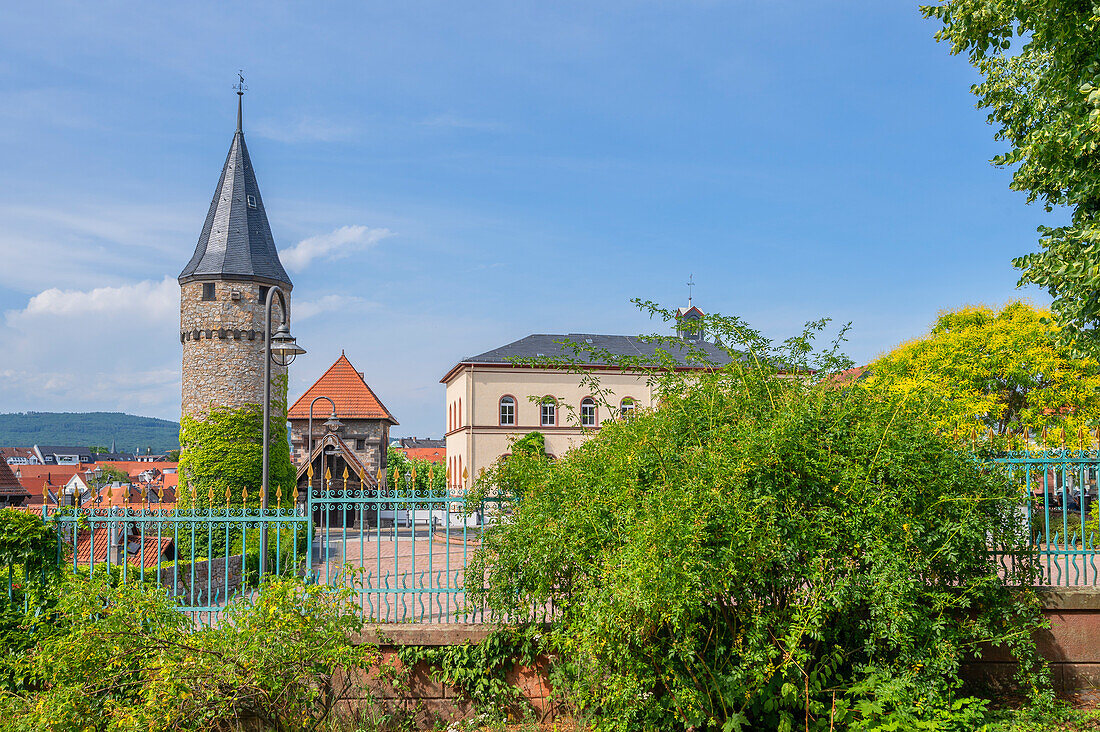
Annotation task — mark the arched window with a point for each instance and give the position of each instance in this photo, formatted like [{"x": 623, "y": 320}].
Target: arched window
[
  {"x": 588, "y": 412},
  {"x": 548, "y": 412},
  {"x": 507, "y": 411},
  {"x": 626, "y": 407}
]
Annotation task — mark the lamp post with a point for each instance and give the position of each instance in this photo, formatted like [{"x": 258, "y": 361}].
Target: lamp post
[
  {"x": 332, "y": 423},
  {"x": 283, "y": 347}
]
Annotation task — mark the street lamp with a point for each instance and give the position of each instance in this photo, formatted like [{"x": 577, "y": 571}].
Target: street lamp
[
  {"x": 332, "y": 423},
  {"x": 93, "y": 477},
  {"x": 280, "y": 348}
]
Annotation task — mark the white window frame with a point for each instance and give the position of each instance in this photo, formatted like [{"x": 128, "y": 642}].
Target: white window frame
[
  {"x": 627, "y": 411},
  {"x": 552, "y": 405},
  {"x": 500, "y": 411},
  {"x": 589, "y": 402}
]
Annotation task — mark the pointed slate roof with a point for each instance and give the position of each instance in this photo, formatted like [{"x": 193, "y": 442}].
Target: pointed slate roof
[
  {"x": 344, "y": 385},
  {"x": 236, "y": 241}
]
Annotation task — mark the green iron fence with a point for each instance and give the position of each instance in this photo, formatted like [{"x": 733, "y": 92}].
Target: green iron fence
[
  {"x": 1058, "y": 503},
  {"x": 402, "y": 552},
  {"x": 405, "y": 552}
]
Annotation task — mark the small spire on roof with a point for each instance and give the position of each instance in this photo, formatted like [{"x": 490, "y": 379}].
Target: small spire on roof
[
  {"x": 241, "y": 89},
  {"x": 690, "y": 284}
]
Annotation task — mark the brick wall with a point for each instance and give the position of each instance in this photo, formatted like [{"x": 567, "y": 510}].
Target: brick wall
[
  {"x": 426, "y": 701},
  {"x": 1071, "y": 645}
]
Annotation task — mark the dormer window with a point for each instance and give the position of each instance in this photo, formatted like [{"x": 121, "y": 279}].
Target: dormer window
[
  {"x": 251, "y": 201},
  {"x": 207, "y": 290}
]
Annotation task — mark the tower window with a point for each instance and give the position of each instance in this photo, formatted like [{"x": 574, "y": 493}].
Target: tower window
[
  {"x": 263, "y": 293},
  {"x": 360, "y": 444},
  {"x": 251, "y": 201},
  {"x": 207, "y": 290}
]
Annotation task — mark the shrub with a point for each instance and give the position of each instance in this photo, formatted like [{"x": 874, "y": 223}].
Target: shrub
[
  {"x": 764, "y": 550},
  {"x": 122, "y": 658}
]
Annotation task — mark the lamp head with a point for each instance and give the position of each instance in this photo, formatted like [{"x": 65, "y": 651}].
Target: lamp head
[{"x": 284, "y": 346}]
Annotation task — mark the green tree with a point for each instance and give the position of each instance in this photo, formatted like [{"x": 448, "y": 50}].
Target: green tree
[
  {"x": 112, "y": 474},
  {"x": 980, "y": 369},
  {"x": 763, "y": 552},
  {"x": 431, "y": 479},
  {"x": 1040, "y": 64}
]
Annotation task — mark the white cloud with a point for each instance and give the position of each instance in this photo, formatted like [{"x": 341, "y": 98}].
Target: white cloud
[
  {"x": 330, "y": 303},
  {"x": 146, "y": 302},
  {"x": 453, "y": 121},
  {"x": 334, "y": 245},
  {"x": 305, "y": 129}
]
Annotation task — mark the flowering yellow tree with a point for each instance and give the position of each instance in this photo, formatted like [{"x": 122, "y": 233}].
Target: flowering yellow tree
[{"x": 982, "y": 369}]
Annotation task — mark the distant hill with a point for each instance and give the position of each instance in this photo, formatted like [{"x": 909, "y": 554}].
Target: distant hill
[{"x": 83, "y": 429}]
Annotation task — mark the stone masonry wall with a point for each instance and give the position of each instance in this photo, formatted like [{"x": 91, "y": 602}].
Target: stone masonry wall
[
  {"x": 374, "y": 433},
  {"x": 218, "y": 578},
  {"x": 223, "y": 347}
]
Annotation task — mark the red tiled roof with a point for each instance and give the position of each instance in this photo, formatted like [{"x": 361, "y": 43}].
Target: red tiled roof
[
  {"x": 58, "y": 473},
  {"x": 133, "y": 467},
  {"x": 147, "y": 553},
  {"x": 9, "y": 484},
  {"x": 430, "y": 454},
  {"x": 37, "y": 479},
  {"x": 346, "y": 387}
]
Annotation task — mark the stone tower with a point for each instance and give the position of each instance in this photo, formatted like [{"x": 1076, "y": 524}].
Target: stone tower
[{"x": 222, "y": 293}]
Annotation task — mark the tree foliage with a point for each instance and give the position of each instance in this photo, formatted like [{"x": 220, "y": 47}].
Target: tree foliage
[
  {"x": 431, "y": 479},
  {"x": 1040, "y": 63},
  {"x": 980, "y": 369},
  {"x": 764, "y": 551},
  {"x": 119, "y": 656}
]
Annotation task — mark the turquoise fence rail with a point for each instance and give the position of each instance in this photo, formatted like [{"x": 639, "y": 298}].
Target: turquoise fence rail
[
  {"x": 1059, "y": 500},
  {"x": 403, "y": 553}
]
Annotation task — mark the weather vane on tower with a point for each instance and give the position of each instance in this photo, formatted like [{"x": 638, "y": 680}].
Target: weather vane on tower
[{"x": 241, "y": 88}]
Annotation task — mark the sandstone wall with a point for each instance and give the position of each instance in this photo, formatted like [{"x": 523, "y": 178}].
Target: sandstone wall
[
  {"x": 223, "y": 346},
  {"x": 217, "y": 578}
]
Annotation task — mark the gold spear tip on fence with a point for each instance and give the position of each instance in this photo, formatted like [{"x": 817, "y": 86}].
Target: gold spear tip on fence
[
  {"x": 381, "y": 477},
  {"x": 414, "y": 475},
  {"x": 309, "y": 470}
]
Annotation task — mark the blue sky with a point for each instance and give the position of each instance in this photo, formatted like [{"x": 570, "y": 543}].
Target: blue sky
[{"x": 453, "y": 176}]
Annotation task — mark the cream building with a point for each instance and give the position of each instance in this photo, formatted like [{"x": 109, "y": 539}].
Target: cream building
[{"x": 492, "y": 400}]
